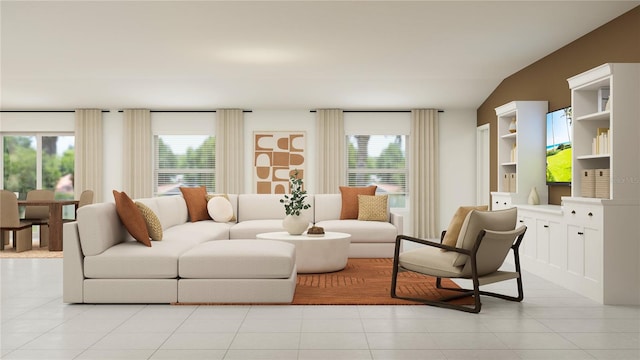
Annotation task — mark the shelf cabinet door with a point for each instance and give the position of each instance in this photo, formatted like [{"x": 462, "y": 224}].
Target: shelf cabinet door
[
  {"x": 585, "y": 252},
  {"x": 529, "y": 243},
  {"x": 558, "y": 245}
]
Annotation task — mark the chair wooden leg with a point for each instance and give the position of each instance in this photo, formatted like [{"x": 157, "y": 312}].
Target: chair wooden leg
[
  {"x": 44, "y": 236},
  {"x": 4, "y": 239},
  {"x": 23, "y": 240}
]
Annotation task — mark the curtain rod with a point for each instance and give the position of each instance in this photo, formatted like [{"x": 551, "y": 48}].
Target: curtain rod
[
  {"x": 43, "y": 111},
  {"x": 187, "y": 111},
  {"x": 376, "y": 111}
]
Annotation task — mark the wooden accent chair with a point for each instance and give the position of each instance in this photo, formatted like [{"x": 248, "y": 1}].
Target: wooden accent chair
[
  {"x": 10, "y": 222},
  {"x": 482, "y": 246},
  {"x": 39, "y": 215}
]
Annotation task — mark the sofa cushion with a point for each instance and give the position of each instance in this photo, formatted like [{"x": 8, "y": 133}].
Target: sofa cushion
[
  {"x": 154, "y": 227},
  {"x": 327, "y": 206},
  {"x": 171, "y": 210},
  {"x": 129, "y": 260},
  {"x": 241, "y": 259},
  {"x": 99, "y": 228},
  {"x": 349, "y": 209},
  {"x": 220, "y": 209},
  {"x": 260, "y": 207},
  {"x": 250, "y": 228},
  {"x": 199, "y": 232},
  {"x": 131, "y": 217},
  {"x": 373, "y": 208},
  {"x": 362, "y": 231},
  {"x": 196, "y": 198}
]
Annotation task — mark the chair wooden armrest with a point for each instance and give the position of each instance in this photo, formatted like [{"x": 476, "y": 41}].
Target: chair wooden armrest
[{"x": 430, "y": 243}]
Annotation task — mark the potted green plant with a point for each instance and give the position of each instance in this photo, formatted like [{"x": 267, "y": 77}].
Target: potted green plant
[{"x": 295, "y": 222}]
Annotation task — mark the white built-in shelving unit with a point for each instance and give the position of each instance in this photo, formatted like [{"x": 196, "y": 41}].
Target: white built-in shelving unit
[
  {"x": 521, "y": 152},
  {"x": 589, "y": 244}
]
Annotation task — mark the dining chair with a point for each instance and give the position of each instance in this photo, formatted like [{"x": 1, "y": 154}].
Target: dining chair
[
  {"x": 86, "y": 198},
  {"x": 10, "y": 222},
  {"x": 39, "y": 215},
  {"x": 485, "y": 240}
]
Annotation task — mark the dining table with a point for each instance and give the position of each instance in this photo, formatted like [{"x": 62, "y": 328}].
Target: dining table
[{"x": 55, "y": 218}]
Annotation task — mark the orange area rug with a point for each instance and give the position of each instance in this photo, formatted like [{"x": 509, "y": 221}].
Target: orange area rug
[{"x": 367, "y": 282}]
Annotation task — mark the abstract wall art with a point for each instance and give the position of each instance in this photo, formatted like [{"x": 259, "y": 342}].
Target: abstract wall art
[{"x": 276, "y": 155}]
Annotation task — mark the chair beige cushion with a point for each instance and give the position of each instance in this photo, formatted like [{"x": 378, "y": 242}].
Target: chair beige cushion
[
  {"x": 501, "y": 220},
  {"x": 373, "y": 208},
  {"x": 430, "y": 260},
  {"x": 349, "y": 208},
  {"x": 453, "y": 231},
  {"x": 154, "y": 227}
]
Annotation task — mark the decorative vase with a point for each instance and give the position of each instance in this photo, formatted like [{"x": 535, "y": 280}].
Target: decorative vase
[
  {"x": 533, "y": 199},
  {"x": 295, "y": 224},
  {"x": 512, "y": 126}
]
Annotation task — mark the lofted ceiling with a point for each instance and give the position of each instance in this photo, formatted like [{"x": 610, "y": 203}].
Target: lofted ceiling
[{"x": 277, "y": 55}]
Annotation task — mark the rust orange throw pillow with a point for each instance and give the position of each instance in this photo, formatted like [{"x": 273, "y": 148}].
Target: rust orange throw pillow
[
  {"x": 350, "y": 200},
  {"x": 131, "y": 217},
  {"x": 196, "y": 198}
]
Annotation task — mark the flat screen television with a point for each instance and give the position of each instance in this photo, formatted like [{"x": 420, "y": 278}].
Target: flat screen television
[{"x": 559, "y": 133}]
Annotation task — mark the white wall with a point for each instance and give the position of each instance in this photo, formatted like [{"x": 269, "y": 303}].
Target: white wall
[
  {"x": 457, "y": 162},
  {"x": 457, "y": 148}
]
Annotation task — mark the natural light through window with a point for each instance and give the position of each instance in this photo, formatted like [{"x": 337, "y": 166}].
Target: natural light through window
[{"x": 183, "y": 160}]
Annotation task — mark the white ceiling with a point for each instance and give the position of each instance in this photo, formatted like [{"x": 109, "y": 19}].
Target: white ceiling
[{"x": 278, "y": 55}]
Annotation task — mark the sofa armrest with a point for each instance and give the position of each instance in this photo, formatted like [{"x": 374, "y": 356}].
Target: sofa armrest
[
  {"x": 72, "y": 265},
  {"x": 397, "y": 220}
]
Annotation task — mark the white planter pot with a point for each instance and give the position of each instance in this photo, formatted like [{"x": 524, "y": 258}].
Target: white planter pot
[{"x": 294, "y": 224}]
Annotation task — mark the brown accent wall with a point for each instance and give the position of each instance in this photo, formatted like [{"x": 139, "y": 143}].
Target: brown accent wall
[{"x": 546, "y": 79}]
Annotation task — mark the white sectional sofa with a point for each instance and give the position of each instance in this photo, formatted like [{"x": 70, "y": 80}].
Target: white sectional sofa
[{"x": 204, "y": 261}]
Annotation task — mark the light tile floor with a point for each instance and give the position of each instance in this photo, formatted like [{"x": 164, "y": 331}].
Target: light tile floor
[{"x": 551, "y": 323}]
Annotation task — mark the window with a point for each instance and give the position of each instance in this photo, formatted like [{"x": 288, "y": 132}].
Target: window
[
  {"x": 379, "y": 160},
  {"x": 183, "y": 160},
  {"x": 39, "y": 161},
  {"x": 36, "y": 161}
]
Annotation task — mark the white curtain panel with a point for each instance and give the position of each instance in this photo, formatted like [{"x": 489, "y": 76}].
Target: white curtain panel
[
  {"x": 424, "y": 173},
  {"x": 331, "y": 151},
  {"x": 137, "y": 155},
  {"x": 230, "y": 151},
  {"x": 89, "y": 152}
]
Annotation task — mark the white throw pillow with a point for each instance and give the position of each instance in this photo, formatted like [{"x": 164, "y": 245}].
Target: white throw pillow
[{"x": 220, "y": 209}]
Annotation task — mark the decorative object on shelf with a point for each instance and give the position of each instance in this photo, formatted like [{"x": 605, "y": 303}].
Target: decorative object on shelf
[
  {"x": 506, "y": 181},
  {"x": 607, "y": 104},
  {"x": 588, "y": 183},
  {"x": 295, "y": 223},
  {"x": 534, "y": 198},
  {"x": 512, "y": 126},
  {"x": 603, "y": 98},
  {"x": 602, "y": 183},
  {"x": 513, "y": 184}
]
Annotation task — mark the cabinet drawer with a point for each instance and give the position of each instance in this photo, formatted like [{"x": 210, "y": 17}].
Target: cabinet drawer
[
  {"x": 501, "y": 202},
  {"x": 583, "y": 214}
]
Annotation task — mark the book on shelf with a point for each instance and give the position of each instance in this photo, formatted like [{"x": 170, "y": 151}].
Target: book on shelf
[{"x": 601, "y": 144}]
